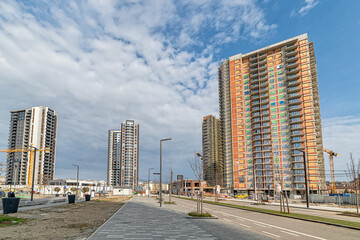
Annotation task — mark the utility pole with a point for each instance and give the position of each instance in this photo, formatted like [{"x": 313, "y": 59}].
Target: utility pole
[
  {"x": 306, "y": 180},
  {"x": 170, "y": 186},
  {"x": 33, "y": 175},
  {"x": 149, "y": 181},
  {"x": 162, "y": 140},
  {"x": 77, "y": 180}
]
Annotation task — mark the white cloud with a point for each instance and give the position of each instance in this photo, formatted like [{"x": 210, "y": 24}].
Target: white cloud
[
  {"x": 341, "y": 135},
  {"x": 308, "y": 5},
  {"x": 98, "y": 63}
]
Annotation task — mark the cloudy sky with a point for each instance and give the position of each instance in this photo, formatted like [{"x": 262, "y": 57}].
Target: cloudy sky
[{"x": 98, "y": 63}]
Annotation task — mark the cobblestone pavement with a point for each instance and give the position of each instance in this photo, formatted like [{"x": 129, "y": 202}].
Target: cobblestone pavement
[{"x": 142, "y": 218}]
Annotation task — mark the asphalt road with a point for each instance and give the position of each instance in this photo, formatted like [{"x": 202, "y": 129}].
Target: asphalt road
[{"x": 273, "y": 226}]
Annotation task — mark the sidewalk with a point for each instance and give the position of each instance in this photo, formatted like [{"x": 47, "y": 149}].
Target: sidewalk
[{"x": 142, "y": 218}]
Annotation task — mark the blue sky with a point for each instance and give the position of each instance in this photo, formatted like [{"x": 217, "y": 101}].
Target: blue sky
[{"x": 98, "y": 63}]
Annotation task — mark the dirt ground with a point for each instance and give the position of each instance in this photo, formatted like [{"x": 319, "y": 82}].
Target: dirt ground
[{"x": 69, "y": 221}]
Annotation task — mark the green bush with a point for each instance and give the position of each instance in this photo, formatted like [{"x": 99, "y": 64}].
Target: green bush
[{"x": 194, "y": 214}]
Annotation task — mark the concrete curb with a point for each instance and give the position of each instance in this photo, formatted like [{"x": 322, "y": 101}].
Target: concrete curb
[{"x": 308, "y": 220}]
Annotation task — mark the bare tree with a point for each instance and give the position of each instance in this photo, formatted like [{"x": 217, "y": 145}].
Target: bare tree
[
  {"x": 353, "y": 174},
  {"x": 197, "y": 168}
]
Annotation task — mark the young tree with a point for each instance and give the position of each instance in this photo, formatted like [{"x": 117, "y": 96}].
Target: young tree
[
  {"x": 57, "y": 190},
  {"x": 353, "y": 174},
  {"x": 197, "y": 168},
  {"x": 85, "y": 190}
]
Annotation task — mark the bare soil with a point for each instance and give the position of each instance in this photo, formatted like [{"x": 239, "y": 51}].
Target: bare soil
[{"x": 69, "y": 221}]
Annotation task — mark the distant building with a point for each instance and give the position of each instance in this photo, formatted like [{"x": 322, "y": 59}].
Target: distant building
[
  {"x": 180, "y": 177},
  {"x": 36, "y": 127},
  {"x": 123, "y": 155},
  {"x": 212, "y": 151}
]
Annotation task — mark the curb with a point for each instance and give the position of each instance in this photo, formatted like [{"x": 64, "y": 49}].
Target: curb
[
  {"x": 308, "y": 220},
  {"x": 201, "y": 218}
]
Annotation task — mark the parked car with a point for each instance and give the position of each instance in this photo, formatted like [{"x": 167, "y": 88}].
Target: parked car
[{"x": 241, "y": 195}]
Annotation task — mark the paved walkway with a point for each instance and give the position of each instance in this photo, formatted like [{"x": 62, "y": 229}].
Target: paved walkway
[{"x": 142, "y": 218}]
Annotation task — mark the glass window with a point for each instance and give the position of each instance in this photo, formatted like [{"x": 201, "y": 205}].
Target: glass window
[
  {"x": 246, "y": 76},
  {"x": 248, "y": 137},
  {"x": 274, "y": 128},
  {"x": 273, "y": 116},
  {"x": 280, "y": 72},
  {"x": 247, "y": 114},
  {"x": 282, "y": 96},
  {"x": 246, "y": 92},
  {"x": 273, "y": 110},
  {"x": 246, "y": 87},
  {"x": 273, "y": 99},
  {"x": 271, "y": 69},
  {"x": 280, "y": 79},
  {"x": 248, "y": 132},
  {"x": 278, "y": 67},
  {"x": 272, "y": 86},
  {"x": 271, "y": 75},
  {"x": 273, "y": 104},
  {"x": 272, "y": 80},
  {"x": 246, "y": 81},
  {"x": 247, "y": 98},
  {"x": 248, "y": 125},
  {"x": 281, "y": 90},
  {"x": 281, "y": 102},
  {"x": 274, "y": 122},
  {"x": 282, "y": 121},
  {"x": 283, "y": 127},
  {"x": 282, "y": 109},
  {"x": 275, "y": 141},
  {"x": 276, "y": 147},
  {"x": 275, "y": 134},
  {"x": 279, "y": 85}
]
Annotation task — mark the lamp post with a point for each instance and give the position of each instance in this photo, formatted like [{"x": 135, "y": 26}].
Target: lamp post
[
  {"x": 77, "y": 179},
  {"x": 306, "y": 180},
  {"x": 33, "y": 175},
  {"x": 149, "y": 181},
  {"x": 162, "y": 140}
]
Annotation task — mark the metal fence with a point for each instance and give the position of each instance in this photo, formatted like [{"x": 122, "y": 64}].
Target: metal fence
[{"x": 314, "y": 198}]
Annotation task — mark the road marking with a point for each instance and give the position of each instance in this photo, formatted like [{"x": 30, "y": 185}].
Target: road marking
[
  {"x": 289, "y": 233},
  {"x": 269, "y": 225},
  {"x": 260, "y": 225},
  {"x": 240, "y": 219},
  {"x": 271, "y": 234},
  {"x": 227, "y": 220},
  {"x": 244, "y": 225}
]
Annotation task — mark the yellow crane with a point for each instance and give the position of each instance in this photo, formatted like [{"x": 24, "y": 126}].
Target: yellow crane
[
  {"x": 31, "y": 160},
  {"x": 332, "y": 154}
]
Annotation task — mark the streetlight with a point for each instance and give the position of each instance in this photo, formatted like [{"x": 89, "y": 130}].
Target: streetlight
[
  {"x": 33, "y": 174},
  {"x": 77, "y": 179},
  {"x": 306, "y": 180},
  {"x": 149, "y": 181},
  {"x": 162, "y": 140}
]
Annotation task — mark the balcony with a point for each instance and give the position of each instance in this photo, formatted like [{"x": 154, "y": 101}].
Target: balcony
[
  {"x": 254, "y": 103},
  {"x": 296, "y": 120},
  {"x": 296, "y": 133},
  {"x": 293, "y": 83},
  {"x": 252, "y": 64},
  {"x": 264, "y": 89},
  {"x": 264, "y": 78},
  {"x": 254, "y": 91},
  {"x": 262, "y": 73},
  {"x": 297, "y": 139},
  {"x": 266, "y": 100},
  {"x": 293, "y": 95},
  {"x": 292, "y": 77},
  {"x": 292, "y": 59},
  {"x": 290, "y": 47},
  {"x": 262, "y": 67},
  {"x": 255, "y": 97},
  {"x": 253, "y": 57},
  {"x": 293, "y": 89},
  {"x": 296, "y": 126},
  {"x": 255, "y": 75},
  {"x": 293, "y": 70},
  {"x": 255, "y": 109},
  {"x": 264, "y": 84},
  {"x": 291, "y": 53},
  {"x": 294, "y": 101},
  {"x": 255, "y": 86},
  {"x": 253, "y": 70},
  {"x": 295, "y": 114}
]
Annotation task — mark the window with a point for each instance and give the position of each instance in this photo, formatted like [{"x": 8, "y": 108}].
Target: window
[
  {"x": 267, "y": 142},
  {"x": 285, "y": 152},
  {"x": 246, "y": 76},
  {"x": 281, "y": 102},
  {"x": 282, "y": 109},
  {"x": 281, "y": 90},
  {"x": 282, "y": 121},
  {"x": 247, "y": 103},
  {"x": 247, "y": 98},
  {"x": 273, "y": 104},
  {"x": 278, "y": 67},
  {"x": 246, "y": 87},
  {"x": 273, "y": 99},
  {"x": 283, "y": 127},
  {"x": 272, "y": 86},
  {"x": 280, "y": 79},
  {"x": 297, "y": 145},
  {"x": 272, "y": 80},
  {"x": 249, "y": 155},
  {"x": 246, "y": 81},
  {"x": 276, "y": 147},
  {"x": 274, "y": 128},
  {"x": 248, "y": 125},
  {"x": 248, "y": 137},
  {"x": 271, "y": 69},
  {"x": 271, "y": 75},
  {"x": 280, "y": 85},
  {"x": 273, "y": 110},
  {"x": 247, "y": 114},
  {"x": 280, "y": 72},
  {"x": 258, "y": 149},
  {"x": 282, "y": 115},
  {"x": 248, "y": 120},
  {"x": 272, "y": 92},
  {"x": 285, "y": 159},
  {"x": 282, "y": 96},
  {"x": 275, "y": 134},
  {"x": 267, "y": 148},
  {"x": 246, "y": 92},
  {"x": 274, "y": 121}
]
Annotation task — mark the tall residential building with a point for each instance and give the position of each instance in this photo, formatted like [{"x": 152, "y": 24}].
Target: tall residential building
[
  {"x": 114, "y": 158},
  {"x": 212, "y": 151},
  {"x": 36, "y": 127},
  {"x": 123, "y": 155},
  {"x": 270, "y": 113}
]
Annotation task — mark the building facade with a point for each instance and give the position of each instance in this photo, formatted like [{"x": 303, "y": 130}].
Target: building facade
[
  {"x": 114, "y": 158},
  {"x": 212, "y": 151},
  {"x": 270, "y": 113},
  {"x": 123, "y": 155},
  {"x": 35, "y": 127}
]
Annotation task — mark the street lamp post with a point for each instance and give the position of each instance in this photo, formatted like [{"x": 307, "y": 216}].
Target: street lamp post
[
  {"x": 162, "y": 140},
  {"x": 77, "y": 179},
  {"x": 306, "y": 180},
  {"x": 149, "y": 181},
  {"x": 33, "y": 175}
]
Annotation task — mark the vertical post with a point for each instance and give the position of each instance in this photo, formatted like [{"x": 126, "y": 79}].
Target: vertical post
[
  {"x": 77, "y": 183},
  {"x": 33, "y": 176},
  {"x": 160, "y": 173},
  {"x": 170, "y": 190},
  {"x": 306, "y": 180},
  {"x": 149, "y": 182}
]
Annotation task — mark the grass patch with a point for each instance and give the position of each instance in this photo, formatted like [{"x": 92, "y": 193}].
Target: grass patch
[
  {"x": 292, "y": 215},
  {"x": 169, "y": 202},
  {"x": 8, "y": 221},
  {"x": 352, "y": 214},
  {"x": 194, "y": 214}
]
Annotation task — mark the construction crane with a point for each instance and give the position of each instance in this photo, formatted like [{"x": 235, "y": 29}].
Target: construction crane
[
  {"x": 31, "y": 160},
  {"x": 332, "y": 154}
]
